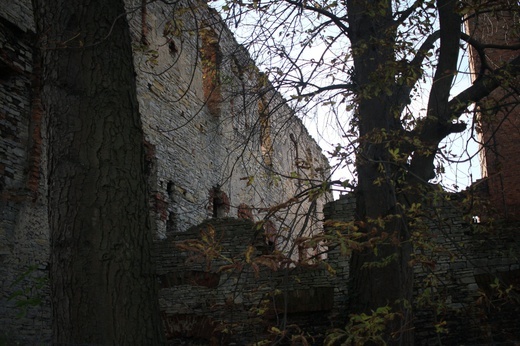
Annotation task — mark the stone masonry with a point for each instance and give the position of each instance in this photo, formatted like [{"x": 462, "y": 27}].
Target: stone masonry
[
  {"x": 220, "y": 284},
  {"x": 24, "y": 236},
  {"x": 219, "y": 141},
  {"x": 211, "y": 119}
]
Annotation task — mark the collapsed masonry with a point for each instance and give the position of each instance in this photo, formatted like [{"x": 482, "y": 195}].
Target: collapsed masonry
[
  {"x": 241, "y": 291},
  {"x": 217, "y": 140}
]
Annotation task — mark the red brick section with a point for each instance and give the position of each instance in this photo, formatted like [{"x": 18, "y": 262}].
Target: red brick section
[
  {"x": 219, "y": 203},
  {"x": 500, "y": 126},
  {"x": 244, "y": 212},
  {"x": 211, "y": 60},
  {"x": 160, "y": 205}
]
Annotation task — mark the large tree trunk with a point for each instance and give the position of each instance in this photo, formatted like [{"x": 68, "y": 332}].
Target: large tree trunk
[
  {"x": 380, "y": 274},
  {"x": 102, "y": 278}
]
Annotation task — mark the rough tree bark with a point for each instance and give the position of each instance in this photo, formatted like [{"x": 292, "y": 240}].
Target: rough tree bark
[
  {"x": 373, "y": 40},
  {"x": 102, "y": 278}
]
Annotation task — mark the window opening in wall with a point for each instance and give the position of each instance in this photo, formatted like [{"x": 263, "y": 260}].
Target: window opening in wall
[
  {"x": 170, "y": 31},
  {"x": 270, "y": 234},
  {"x": 170, "y": 188},
  {"x": 8, "y": 70},
  {"x": 302, "y": 253},
  {"x": 172, "y": 48}
]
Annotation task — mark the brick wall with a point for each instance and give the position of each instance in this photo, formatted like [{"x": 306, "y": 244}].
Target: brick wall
[{"x": 499, "y": 122}]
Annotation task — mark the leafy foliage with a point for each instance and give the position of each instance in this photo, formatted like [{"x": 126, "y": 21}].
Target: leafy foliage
[{"x": 363, "y": 328}]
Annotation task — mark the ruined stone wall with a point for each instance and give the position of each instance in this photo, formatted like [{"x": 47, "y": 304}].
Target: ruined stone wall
[
  {"x": 460, "y": 262},
  {"x": 211, "y": 289},
  {"x": 210, "y": 118},
  {"x": 24, "y": 236},
  {"x": 219, "y": 281},
  {"x": 456, "y": 263}
]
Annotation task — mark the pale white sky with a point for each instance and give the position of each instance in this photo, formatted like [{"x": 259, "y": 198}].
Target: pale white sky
[{"x": 322, "y": 125}]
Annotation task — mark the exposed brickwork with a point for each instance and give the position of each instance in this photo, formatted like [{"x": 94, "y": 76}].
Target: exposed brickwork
[
  {"x": 455, "y": 254},
  {"x": 244, "y": 212},
  {"x": 499, "y": 121},
  {"x": 196, "y": 150},
  {"x": 211, "y": 58}
]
